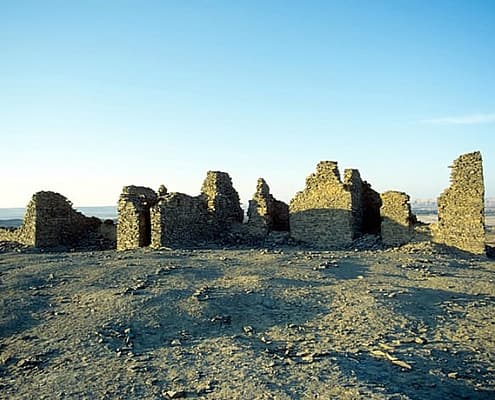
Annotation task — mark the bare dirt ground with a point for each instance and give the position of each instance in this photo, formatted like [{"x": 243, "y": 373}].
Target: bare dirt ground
[{"x": 414, "y": 323}]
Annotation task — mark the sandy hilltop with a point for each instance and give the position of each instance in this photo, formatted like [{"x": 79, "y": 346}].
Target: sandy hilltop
[{"x": 340, "y": 294}]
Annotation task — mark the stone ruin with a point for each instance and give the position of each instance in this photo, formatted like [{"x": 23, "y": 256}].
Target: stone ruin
[
  {"x": 265, "y": 213},
  {"x": 330, "y": 212},
  {"x": 179, "y": 219},
  {"x": 397, "y": 219},
  {"x": 222, "y": 202},
  {"x": 174, "y": 219},
  {"x": 134, "y": 217},
  {"x": 461, "y": 218},
  {"x": 50, "y": 222}
]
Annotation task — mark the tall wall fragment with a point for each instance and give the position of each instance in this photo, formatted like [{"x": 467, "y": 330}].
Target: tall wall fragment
[
  {"x": 397, "y": 218},
  {"x": 50, "y": 221},
  {"x": 265, "y": 213},
  {"x": 134, "y": 218},
  {"x": 322, "y": 214},
  {"x": 222, "y": 202},
  {"x": 461, "y": 219},
  {"x": 354, "y": 186}
]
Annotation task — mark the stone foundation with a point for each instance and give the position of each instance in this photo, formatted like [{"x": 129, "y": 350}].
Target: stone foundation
[{"x": 461, "y": 219}]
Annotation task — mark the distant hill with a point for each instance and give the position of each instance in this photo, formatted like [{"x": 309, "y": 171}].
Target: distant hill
[{"x": 428, "y": 206}]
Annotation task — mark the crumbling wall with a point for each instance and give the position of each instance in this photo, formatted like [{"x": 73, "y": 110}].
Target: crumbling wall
[
  {"x": 57, "y": 223},
  {"x": 9, "y": 235},
  {"x": 280, "y": 216},
  {"x": 134, "y": 217},
  {"x": 461, "y": 219},
  {"x": 179, "y": 219},
  {"x": 265, "y": 213},
  {"x": 50, "y": 221},
  {"x": 330, "y": 212},
  {"x": 26, "y": 233},
  {"x": 397, "y": 218},
  {"x": 222, "y": 202},
  {"x": 354, "y": 186},
  {"x": 370, "y": 204},
  {"x": 322, "y": 214}
]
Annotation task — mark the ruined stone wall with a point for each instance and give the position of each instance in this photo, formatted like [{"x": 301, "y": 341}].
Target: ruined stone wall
[
  {"x": 260, "y": 210},
  {"x": 321, "y": 214},
  {"x": 134, "y": 217},
  {"x": 176, "y": 218},
  {"x": 354, "y": 185},
  {"x": 26, "y": 233},
  {"x": 280, "y": 216},
  {"x": 57, "y": 223},
  {"x": 265, "y": 213},
  {"x": 222, "y": 202},
  {"x": 397, "y": 218},
  {"x": 179, "y": 219},
  {"x": 370, "y": 204},
  {"x": 50, "y": 221},
  {"x": 461, "y": 219},
  {"x": 9, "y": 235}
]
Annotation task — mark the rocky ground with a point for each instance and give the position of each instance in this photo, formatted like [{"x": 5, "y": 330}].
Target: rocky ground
[{"x": 282, "y": 323}]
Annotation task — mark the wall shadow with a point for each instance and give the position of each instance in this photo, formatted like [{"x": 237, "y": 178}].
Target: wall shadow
[
  {"x": 18, "y": 312},
  {"x": 192, "y": 315},
  {"x": 428, "y": 378}
]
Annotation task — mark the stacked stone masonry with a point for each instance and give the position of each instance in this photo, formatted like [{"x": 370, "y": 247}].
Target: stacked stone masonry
[
  {"x": 50, "y": 221},
  {"x": 179, "y": 219},
  {"x": 222, "y": 202},
  {"x": 461, "y": 219},
  {"x": 265, "y": 213},
  {"x": 329, "y": 212},
  {"x": 134, "y": 217},
  {"x": 397, "y": 218},
  {"x": 175, "y": 219}
]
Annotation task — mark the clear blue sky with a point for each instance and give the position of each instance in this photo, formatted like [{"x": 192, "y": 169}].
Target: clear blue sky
[{"x": 95, "y": 95}]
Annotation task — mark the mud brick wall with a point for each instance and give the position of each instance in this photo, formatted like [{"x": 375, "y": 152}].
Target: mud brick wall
[
  {"x": 461, "y": 219},
  {"x": 134, "y": 217},
  {"x": 397, "y": 218},
  {"x": 50, "y": 221},
  {"x": 222, "y": 202},
  {"x": 179, "y": 219},
  {"x": 322, "y": 214},
  {"x": 265, "y": 213}
]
